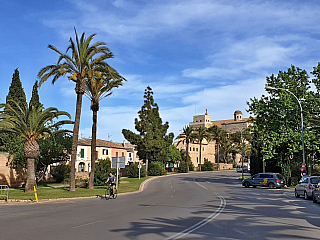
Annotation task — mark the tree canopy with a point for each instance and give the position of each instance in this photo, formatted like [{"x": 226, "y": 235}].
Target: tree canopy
[{"x": 152, "y": 140}]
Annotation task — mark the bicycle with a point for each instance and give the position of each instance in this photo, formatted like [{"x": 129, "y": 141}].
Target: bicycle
[{"x": 109, "y": 192}]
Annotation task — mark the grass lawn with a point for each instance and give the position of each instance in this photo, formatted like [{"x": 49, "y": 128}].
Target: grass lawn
[{"x": 50, "y": 191}]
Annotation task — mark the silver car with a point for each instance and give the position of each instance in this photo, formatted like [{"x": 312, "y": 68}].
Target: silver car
[
  {"x": 306, "y": 186},
  {"x": 316, "y": 194}
]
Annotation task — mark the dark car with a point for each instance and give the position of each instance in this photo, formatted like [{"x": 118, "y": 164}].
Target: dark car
[
  {"x": 271, "y": 180},
  {"x": 306, "y": 186}
]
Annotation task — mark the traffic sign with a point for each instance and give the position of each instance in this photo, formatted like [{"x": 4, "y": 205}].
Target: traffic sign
[
  {"x": 303, "y": 165},
  {"x": 304, "y": 173},
  {"x": 118, "y": 162}
]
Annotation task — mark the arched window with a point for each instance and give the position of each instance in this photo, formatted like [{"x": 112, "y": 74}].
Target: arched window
[{"x": 81, "y": 167}]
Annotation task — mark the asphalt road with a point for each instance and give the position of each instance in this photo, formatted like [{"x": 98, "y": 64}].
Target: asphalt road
[{"x": 210, "y": 205}]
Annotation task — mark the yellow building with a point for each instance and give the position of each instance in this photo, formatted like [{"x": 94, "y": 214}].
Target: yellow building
[{"x": 238, "y": 123}]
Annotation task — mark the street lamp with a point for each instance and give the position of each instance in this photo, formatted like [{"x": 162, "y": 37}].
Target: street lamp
[{"x": 273, "y": 88}]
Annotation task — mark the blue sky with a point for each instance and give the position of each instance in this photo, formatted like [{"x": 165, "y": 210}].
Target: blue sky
[{"x": 195, "y": 54}]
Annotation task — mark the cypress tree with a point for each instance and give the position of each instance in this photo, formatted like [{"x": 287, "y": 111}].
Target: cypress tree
[
  {"x": 35, "y": 99},
  {"x": 152, "y": 141},
  {"x": 16, "y": 92}
]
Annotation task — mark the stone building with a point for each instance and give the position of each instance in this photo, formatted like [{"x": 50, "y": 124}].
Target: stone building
[{"x": 238, "y": 123}]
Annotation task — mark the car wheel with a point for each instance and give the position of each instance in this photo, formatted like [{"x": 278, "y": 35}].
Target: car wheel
[
  {"x": 296, "y": 194},
  {"x": 271, "y": 185},
  {"x": 314, "y": 199},
  {"x": 246, "y": 184},
  {"x": 306, "y": 196}
]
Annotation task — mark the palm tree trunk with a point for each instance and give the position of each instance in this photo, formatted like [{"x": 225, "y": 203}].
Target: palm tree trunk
[
  {"x": 218, "y": 154},
  {"x": 200, "y": 155},
  {"x": 75, "y": 141},
  {"x": 31, "y": 176},
  {"x": 187, "y": 152},
  {"x": 93, "y": 148}
]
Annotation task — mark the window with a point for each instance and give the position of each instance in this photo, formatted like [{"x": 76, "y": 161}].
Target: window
[
  {"x": 197, "y": 160},
  {"x": 129, "y": 155},
  {"x": 81, "y": 167},
  {"x": 203, "y": 149},
  {"x": 194, "y": 149},
  {"x": 190, "y": 149},
  {"x": 117, "y": 154},
  {"x": 122, "y": 154},
  {"x": 82, "y": 153},
  {"x": 105, "y": 152},
  {"x": 197, "y": 149}
]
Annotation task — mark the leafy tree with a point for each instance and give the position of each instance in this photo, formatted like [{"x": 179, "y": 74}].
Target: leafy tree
[
  {"x": 55, "y": 148},
  {"x": 173, "y": 154},
  {"x": 60, "y": 172},
  {"x": 152, "y": 141},
  {"x": 32, "y": 124},
  {"x": 103, "y": 169},
  {"x": 218, "y": 135},
  {"x": 186, "y": 136},
  {"x": 98, "y": 86},
  {"x": 183, "y": 167},
  {"x": 199, "y": 135},
  {"x": 78, "y": 64},
  {"x": 35, "y": 99},
  {"x": 277, "y": 122},
  {"x": 133, "y": 171},
  {"x": 207, "y": 166},
  {"x": 156, "y": 169}
]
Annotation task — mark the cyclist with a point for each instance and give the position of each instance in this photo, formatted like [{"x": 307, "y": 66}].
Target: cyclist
[{"x": 112, "y": 180}]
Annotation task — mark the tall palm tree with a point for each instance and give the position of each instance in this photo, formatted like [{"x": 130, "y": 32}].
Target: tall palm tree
[
  {"x": 188, "y": 136},
  {"x": 218, "y": 135},
  {"x": 98, "y": 86},
  {"x": 200, "y": 135},
  {"x": 228, "y": 147},
  {"x": 33, "y": 124},
  {"x": 82, "y": 58}
]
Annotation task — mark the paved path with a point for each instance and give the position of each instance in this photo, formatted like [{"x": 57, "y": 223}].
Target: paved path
[{"x": 210, "y": 205}]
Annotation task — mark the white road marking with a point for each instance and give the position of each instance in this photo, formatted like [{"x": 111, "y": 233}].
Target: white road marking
[
  {"x": 86, "y": 224},
  {"x": 204, "y": 221}
]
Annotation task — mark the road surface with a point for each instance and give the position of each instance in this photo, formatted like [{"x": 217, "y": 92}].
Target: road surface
[{"x": 211, "y": 205}]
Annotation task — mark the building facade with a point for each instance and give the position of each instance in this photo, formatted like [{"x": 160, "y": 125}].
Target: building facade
[{"x": 238, "y": 123}]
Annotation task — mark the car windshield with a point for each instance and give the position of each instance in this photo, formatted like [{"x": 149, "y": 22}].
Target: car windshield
[
  {"x": 315, "y": 180},
  {"x": 279, "y": 176}
]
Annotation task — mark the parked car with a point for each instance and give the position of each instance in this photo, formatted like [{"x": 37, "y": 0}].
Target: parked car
[
  {"x": 271, "y": 180},
  {"x": 316, "y": 194},
  {"x": 245, "y": 168},
  {"x": 306, "y": 186}
]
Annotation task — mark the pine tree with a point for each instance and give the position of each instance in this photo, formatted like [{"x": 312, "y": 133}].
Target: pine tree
[
  {"x": 16, "y": 92},
  {"x": 152, "y": 141},
  {"x": 35, "y": 99}
]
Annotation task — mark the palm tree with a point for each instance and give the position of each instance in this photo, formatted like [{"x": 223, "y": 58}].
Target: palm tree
[
  {"x": 188, "y": 136},
  {"x": 217, "y": 134},
  {"x": 200, "y": 135},
  {"x": 228, "y": 147},
  {"x": 32, "y": 123},
  {"x": 78, "y": 65},
  {"x": 99, "y": 86}
]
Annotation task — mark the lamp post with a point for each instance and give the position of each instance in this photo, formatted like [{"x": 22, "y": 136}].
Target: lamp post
[{"x": 273, "y": 88}]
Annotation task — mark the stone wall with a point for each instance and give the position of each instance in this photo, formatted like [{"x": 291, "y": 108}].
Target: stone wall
[{"x": 10, "y": 176}]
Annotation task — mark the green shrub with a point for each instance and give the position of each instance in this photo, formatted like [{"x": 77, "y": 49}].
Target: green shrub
[
  {"x": 82, "y": 183},
  {"x": 183, "y": 167},
  {"x": 133, "y": 171},
  {"x": 207, "y": 166},
  {"x": 102, "y": 171},
  {"x": 191, "y": 166},
  {"x": 60, "y": 172},
  {"x": 156, "y": 169}
]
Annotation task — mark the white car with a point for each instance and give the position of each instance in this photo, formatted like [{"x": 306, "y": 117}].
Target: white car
[{"x": 306, "y": 186}]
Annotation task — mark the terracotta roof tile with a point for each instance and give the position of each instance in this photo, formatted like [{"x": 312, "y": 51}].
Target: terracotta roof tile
[{"x": 100, "y": 143}]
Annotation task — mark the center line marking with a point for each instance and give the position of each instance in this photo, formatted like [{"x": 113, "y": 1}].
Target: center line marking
[{"x": 86, "y": 224}]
